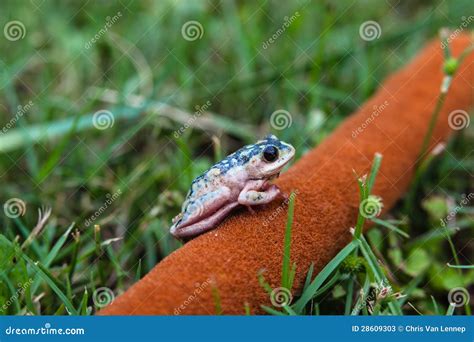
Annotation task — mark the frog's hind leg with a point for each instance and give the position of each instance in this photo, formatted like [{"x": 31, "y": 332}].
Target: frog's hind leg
[
  {"x": 204, "y": 206},
  {"x": 205, "y": 224}
]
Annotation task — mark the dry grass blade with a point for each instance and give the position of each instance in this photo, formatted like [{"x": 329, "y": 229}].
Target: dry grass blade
[{"x": 43, "y": 215}]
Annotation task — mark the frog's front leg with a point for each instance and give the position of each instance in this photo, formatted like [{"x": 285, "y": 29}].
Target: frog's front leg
[
  {"x": 258, "y": 193},
  {"x": 252, "y": 185}
]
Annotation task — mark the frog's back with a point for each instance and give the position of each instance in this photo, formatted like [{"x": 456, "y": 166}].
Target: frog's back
[
  {"x": 214, "y": 177},
  {"x": 201, "y": 185}
]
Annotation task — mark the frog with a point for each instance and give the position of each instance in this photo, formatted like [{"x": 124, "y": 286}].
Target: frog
[{"x": 241, "y": 179}]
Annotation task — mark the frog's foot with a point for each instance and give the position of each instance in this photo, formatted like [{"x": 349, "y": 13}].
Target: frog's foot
[
  {"x": 253, "y": 197},
  {"x": 276, "y": 175},
  {"x": 284, "y": 196},
  {"x": 177, "y": 218},
  {"x": 250, "y": 209}
]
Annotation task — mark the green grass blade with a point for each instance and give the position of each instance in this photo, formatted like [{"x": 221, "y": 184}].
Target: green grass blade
[
  {"x": 264, "y": 284},
  {"x": 53, "y": 283},
  {"x": 349, "y": 295},
  {"x": 373, "y": 172},
  {"x": 456, "y": 260},
  {"x": 272, "y": 311},
  {"x": 390, "y": 226},
  {"x": 52, "y": 254},
  {"x": 15, "y": 138},
  {"x": 292, "y": 275},
  {"x": 83, "y": 307},
  {"x": 435, "y": 306},
  {"x": 47, "y": 276},
  {"x": 360, "y": 304},
  {"x": 57, "y": 247},
  {"x": 14, "y": 297},
  {"x": 438, "y": 234},
  {"x": 365, "y": 190},
  {"x": 460, "y": 266},
  {"x": 247, "y": 309},
  {"x": 451, "y": 246},
  {"x": 328, "y": 285},
  {"x": 371, "y": 260},
  {"x": 450, "y": 310},
  {"x": 43, "y": 132},
  {"x": 285, "y": 273},
  {"x": 138, "y": 274},
  {"x": 289, "y": 310},
  {"x": 378, "y": 272},
  {"x": 363, "y": 194},
  {"x": 309, "y": 276},
  {"x": 322, "y": 276},
  {"x": 74, "y": 252},
  {"x": 116, "y": 264},
  {"x": 60, "y": 311},
  {"x": 217, "y": 300}
]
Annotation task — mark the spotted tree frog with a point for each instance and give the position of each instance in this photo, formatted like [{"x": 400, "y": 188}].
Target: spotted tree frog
[{"x": 242, "y": 178}]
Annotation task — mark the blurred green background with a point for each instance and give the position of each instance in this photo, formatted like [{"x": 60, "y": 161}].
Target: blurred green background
[{"x": 175, "y": 86}]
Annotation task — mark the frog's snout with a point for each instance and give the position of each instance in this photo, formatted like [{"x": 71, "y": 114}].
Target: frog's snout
[{"x": 291, "y": 153}]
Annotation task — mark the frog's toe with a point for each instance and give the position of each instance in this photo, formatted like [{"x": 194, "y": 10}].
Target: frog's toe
[
  {"x": 177, "y": 218},
  {"x": 250, "y": 209}
]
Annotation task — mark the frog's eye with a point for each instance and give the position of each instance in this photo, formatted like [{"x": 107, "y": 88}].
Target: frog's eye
[{"x": 270, "y": 153}]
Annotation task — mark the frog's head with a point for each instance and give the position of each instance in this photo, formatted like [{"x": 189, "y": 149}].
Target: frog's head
[{"x": 272, "y": 155}]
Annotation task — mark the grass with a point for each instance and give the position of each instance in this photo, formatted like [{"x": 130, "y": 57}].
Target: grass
[
  {"x": 332, "y": 273},
  {"x": 382, "y": 299},
  {"x": 288, "y": 272},
  {"x": 155, "y": 84}
]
